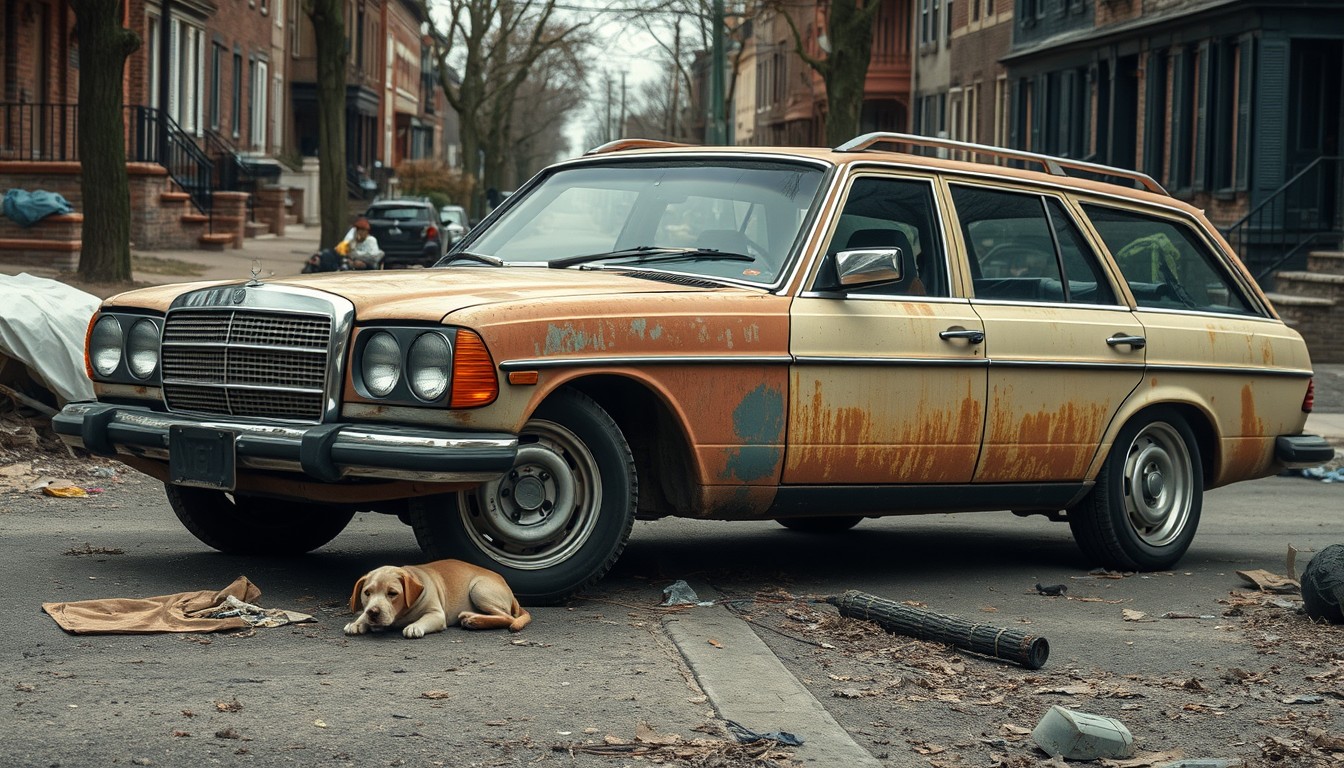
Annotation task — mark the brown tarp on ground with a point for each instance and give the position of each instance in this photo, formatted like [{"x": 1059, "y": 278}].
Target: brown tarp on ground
[{"x": 182, "y": 612}]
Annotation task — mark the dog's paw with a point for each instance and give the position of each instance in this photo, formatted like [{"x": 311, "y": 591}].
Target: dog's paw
[
  {"x": 468, "y": 620},
  {"x": 356, "y": 628},
  {"x": 413, "y": 632}
]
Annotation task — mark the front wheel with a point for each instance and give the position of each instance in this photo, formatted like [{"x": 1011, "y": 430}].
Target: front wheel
[
  {"x": 1143, "y": 511},
  {"x": 254, "y": 525},
  {"x": 557, "y": 521}
]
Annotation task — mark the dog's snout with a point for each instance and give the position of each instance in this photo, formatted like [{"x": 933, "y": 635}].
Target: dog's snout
[{"x": 373, "y": 610}]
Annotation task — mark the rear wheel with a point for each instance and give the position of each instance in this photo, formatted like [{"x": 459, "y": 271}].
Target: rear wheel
[
  {"x": 254, "y": 525},
  {"x": 820, "y": 524},
  {"x": 557, "y": 521},
  {"x": 1144, "y": 509}
]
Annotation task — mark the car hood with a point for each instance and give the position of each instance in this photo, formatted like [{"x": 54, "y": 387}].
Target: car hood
[{"x": 433, "y": 294}]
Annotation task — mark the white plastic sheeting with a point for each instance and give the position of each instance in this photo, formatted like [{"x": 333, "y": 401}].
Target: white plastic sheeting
[{"x": 42, "y": 325}]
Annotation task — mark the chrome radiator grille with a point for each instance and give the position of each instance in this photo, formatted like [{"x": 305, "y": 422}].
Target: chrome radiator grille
[{"x": 246, "y": 362}]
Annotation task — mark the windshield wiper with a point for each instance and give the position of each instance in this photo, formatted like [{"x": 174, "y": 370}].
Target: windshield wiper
[
  {"x": 651, "y": 254},
  {"x": 479, "y": 258}
]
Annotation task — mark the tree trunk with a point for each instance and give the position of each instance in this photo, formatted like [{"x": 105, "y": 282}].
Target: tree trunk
[
  {"x": 851, "y": 34},
  {"x": 104, "y": 45},
  {"x": 329, "y": 31}
]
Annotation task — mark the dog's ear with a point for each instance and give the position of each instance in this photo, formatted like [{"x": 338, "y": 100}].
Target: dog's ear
[
  {"x": 354, "y": 596},
  {"x": 411, "y": 587}
]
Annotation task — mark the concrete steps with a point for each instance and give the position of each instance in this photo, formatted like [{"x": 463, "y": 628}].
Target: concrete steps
[{"x": 1311, "y": 301}]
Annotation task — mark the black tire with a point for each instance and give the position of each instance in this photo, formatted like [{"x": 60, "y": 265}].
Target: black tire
[
  {"x": 576, "y": 475},
  {"x": 254, "y": 525},
  {"x": 820, "y": 524},
  {"x": 1144, "y": 509}
]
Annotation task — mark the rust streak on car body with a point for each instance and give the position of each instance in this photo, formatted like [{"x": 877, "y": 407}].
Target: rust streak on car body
[{"x": 1043, "y": 444}]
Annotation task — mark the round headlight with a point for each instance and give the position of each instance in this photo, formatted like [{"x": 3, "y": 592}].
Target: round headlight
[
  {"x": 142, "y": 349},
  {"x": 105, "y": 345},
  {"x": 381, "y": 364},
  {"x": 428, "y": 365}
]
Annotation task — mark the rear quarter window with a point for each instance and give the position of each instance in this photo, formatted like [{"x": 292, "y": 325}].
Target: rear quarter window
[{"x": 1166, "y": 264}]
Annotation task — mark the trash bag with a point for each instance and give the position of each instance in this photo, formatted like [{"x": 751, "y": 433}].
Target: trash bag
[
  {"x": 27, "y": 208},
  {"x": 1323, "y": 585}
]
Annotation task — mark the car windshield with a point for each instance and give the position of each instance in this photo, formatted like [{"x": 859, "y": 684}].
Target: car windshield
[
  {"x": 453, "y": 216},
  {"x": 738, "y": 219},
  {"x": 405, "y": 213}
]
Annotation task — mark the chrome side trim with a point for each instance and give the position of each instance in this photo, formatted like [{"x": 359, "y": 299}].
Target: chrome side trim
[
  {"x": 895, "y": 362},
  {"x": 1292, "y": 373},
  {"x": 528, "y": 364}
]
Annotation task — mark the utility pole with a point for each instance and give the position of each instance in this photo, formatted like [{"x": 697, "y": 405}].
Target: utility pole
[
  {"x": 715, "y": 126},
  {"x": 620, "y": 129}
]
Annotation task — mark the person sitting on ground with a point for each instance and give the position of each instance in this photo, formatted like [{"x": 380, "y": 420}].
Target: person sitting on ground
[
  {"x": 357, "y": 250},
  {"x": 361, "y": 248}
]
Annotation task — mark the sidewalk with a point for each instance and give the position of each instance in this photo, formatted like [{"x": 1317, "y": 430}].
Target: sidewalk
[{"x": 274, "y": 256}]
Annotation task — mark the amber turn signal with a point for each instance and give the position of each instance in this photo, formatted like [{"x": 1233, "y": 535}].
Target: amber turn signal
[
  {"x": 474, "y": 381},
  {"x": 523, "y": 378}
]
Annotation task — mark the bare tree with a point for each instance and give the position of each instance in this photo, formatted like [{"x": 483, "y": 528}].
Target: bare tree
[
  {"x": 849, "y": 32},
  {"x": 553, "y": 91},
  {"x": 496, "y": 43},
  {"x": 104, "y": 45},
  {"x": 329, "y": 32}
]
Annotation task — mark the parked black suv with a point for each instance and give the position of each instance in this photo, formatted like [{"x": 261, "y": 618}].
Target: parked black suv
[{"x": 408, "y": 232}]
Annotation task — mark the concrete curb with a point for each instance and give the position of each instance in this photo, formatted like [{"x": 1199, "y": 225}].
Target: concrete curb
[{"x": 746, "y": 683}]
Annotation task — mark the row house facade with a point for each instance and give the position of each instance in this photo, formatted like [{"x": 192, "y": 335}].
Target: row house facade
[{"x": 220, "y": 106}]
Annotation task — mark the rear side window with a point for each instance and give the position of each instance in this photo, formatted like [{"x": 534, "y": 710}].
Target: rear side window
[
  {"x": 1026, "y": 247},
  {"x": 1166, "y": 265}
]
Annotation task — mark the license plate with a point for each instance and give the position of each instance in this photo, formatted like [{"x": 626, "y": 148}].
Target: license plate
[{"x": 202, "y": 457}]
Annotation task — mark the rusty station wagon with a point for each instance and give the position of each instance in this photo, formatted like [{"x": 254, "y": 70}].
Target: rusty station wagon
[{"x": 808, "y": 336}]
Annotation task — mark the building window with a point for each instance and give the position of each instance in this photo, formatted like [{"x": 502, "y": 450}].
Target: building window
[
  {"x": 186, "y": 75},
  {"x": 216, "y": 53},
  {"x": 257, "y": 129},
  {"x": 1002, "y": 95},
  {"x": 237, "y": 101}
]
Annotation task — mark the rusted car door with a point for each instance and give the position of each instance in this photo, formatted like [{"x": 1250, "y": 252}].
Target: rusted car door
[
  {"x": 1063, "y": 351},
  {"x": 889, "y": 380}
]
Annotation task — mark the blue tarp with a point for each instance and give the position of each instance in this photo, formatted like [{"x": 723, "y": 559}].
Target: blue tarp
[{"x": 27, "y": 208}]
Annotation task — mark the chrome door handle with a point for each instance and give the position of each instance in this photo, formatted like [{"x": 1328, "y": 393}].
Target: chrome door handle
[
  {"x": 1134, "y": 342},
  {"x": 973, "y": 336}
]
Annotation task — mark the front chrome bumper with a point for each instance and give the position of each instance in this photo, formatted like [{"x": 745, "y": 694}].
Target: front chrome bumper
[{"x": 326, "y": 452}]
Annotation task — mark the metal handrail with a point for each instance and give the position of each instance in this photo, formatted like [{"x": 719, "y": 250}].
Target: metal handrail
[
  {"x": 1056, "y": 166},
  {"x": 1309, "y": 240},
  {"x": 158, "y": 138},
  {"x": 1229, "y": 229}
]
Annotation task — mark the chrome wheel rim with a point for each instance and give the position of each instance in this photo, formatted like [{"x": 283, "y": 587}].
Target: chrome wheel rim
[
  {"x": 1158, "y": 485},
  {"x": 543, "y": 510}
]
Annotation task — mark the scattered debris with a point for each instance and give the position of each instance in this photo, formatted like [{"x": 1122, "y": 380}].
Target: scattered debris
[
  {"x": 1132, "y": 615},
  {"x": 745, "y": 735},
  {"x": 1270, "y": 582},
  {"x": 680, "y": 593},
  {"x": 1081, "y": 735},
  {"x": 91, "y": 550},
  {"x": 1051, "y": 590},
  {"x": 436, "y": 694},
  {"x": 663, "y": 747}
]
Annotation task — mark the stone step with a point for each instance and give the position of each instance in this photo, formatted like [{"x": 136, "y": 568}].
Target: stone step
[
  {"x": 1326, "y": 262},
  {"x": 174, "y": 197},
  {"x": 256, "y": 228},
  {"x": 194, "y": 218},
  {"x": 1294, "y": 300},
  {"x": 215, "y": 241}
]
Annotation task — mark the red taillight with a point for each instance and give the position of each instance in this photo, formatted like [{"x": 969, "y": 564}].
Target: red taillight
[
  {"x": 1309, "y": 399},
  {"x": 431, "y": 232}
]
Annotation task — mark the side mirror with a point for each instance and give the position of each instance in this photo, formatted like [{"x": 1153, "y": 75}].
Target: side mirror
[{"x": 867, "y": 266}]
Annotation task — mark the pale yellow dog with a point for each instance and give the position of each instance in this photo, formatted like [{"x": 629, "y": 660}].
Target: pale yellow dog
[{"x": 420, "y": 599}]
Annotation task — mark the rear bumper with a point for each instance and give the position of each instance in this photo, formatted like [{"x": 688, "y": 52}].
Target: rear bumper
[
  {"x": 325, "y": 452},
  {"x": 1301, "y": 451}
]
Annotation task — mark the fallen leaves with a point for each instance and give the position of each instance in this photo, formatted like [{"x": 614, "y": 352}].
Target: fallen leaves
[
  {"x": 435, "y": 694},
  {"x": 657, "y": 747}
]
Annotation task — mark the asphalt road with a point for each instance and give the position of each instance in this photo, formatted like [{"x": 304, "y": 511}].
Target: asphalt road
[{"x": 596, "y": 674}]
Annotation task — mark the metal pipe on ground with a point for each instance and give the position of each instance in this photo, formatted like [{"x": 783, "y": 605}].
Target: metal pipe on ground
[{"x": 1012, "y": 645}]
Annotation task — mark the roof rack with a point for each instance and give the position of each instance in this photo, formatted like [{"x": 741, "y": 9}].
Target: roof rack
[
  {"x": 623, "y": 144},
  {"x": 1057, "y": 166}
]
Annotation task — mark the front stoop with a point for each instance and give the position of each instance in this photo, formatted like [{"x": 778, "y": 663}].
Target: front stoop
[
  {"x": 1312, "y": 303},
  {"x": 216, "y": 241}
]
